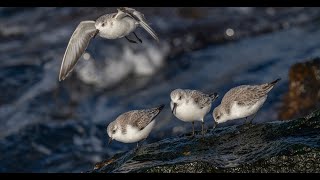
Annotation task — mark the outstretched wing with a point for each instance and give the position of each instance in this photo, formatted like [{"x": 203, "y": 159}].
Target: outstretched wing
[
  {"x": 78, "y": 43},
  {"x": 139, "y": 17}
]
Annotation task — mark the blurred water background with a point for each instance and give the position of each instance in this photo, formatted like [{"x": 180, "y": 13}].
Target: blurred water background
[{"x": 51, "y": 126}]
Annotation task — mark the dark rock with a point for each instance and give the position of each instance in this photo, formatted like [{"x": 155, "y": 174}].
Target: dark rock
[
  {"x": 304, "y": 90},
  {"x": 287, "y": 146}
]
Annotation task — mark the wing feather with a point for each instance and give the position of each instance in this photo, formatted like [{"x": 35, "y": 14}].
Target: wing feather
[
  {"x": 139, "y": 17},
  {"x": 78, "y": 43},
  {"x": 142, "y": 118}
]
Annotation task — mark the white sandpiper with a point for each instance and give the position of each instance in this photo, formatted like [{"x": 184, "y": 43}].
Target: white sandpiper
[
  {"x": 109, "y": 26},
  {"x": 242, "y": 101},
  {"x": 191, "y": 105},
  {"x": 133, "y": 126}
]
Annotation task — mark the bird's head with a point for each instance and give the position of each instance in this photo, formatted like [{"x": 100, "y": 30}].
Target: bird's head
[
  {"x": 219, "y": 114},
  {"x": 112, "y": 130}
]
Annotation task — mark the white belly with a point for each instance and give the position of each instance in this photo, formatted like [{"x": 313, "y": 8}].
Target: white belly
[
  {"x": 190, "y": 112},
  {"x": 133, "y": 134},
  {"x": 245, "y": 111},
  {"x": 119, "y": 29}
]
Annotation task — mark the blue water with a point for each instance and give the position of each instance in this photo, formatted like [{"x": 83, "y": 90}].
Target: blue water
[{"x": 51, "y": 126}]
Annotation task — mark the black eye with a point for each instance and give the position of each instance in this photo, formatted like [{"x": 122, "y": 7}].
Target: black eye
[
  {"x": 113, "y": 131},
  {"x": 102, "y": 24},
  {"x": 180, "y": 98},
  {"x": 218, "y": 117}
]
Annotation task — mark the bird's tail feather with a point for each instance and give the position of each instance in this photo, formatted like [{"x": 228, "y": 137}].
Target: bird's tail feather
[
  {"x": 160, "y": 107},
  {"x": 275, "y": 81},
  {"x": 149, "y": 30},
  {"x": 269, "y": 86},
  {"x": 141, "y": 20}
]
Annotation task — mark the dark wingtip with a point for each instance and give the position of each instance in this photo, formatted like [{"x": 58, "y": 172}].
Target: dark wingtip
[
  {"x": 214, "y": 96},
  {"x": 275, "y": 81},
  {"x": 161, "y": 107},
  {"x": 61, "y": 77}
]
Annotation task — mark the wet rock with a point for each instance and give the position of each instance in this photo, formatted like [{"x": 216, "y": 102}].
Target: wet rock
[
  {"x": 304, "y": 90},
  {"x": 287, "y": 146},
  {"x": 57, "y": 154},
  {"x": 35, "y": 107}
]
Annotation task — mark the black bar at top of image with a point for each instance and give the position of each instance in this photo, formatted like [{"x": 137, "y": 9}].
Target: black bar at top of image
[{"x": 157, "y": 3}]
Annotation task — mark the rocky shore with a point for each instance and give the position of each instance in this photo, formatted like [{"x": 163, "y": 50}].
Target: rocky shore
[{"x": 280, "y": 146}]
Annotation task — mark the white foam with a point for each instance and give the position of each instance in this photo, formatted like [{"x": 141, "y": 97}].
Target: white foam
[{"x": 120, "y": 63}]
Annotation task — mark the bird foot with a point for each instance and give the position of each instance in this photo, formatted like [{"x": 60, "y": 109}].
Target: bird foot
[{"x": 130, "y": 40}]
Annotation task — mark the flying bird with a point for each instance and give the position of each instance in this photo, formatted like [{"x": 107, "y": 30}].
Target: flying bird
[{"x": 109, "y": 26}]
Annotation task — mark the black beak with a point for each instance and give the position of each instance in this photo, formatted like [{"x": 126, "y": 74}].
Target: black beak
[
  {"x": 174, "y": 108},
  {"x": 215, "y": 124},
  {"x": 110, "y": 140},
  {"x": 95, "y": 33}
]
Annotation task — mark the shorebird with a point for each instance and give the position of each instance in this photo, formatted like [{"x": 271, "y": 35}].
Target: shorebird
[
  {"x": 242, "y": 101},
  {"x": 191, "y": 105},
  {"x": 133, "y": 126},
  {"x": 109, "y": 26}
]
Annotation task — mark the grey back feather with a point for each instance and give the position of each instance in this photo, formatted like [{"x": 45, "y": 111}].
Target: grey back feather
[
  {"x": 199, "y": 97},
  {"x": 246, "y": 95},
  {"x": 138, "y": 118}
]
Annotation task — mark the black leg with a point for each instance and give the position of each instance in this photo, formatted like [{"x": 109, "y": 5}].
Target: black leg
[
  {"x": 139, "y": 144},
  {"x": 202, "y": 128},
  {"x": 137, "y": 37},
  {"x": 253, "y": 118},
  {"x": 249, "y": 122},
  {"x": 215, "y": 124},
  {"x": 137, "y": 147},
  {"x": 192, "y": 129},
  {"x": 132, "y": 41}
]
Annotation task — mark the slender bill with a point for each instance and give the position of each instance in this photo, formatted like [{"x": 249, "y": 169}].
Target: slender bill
[
  {"x": 174, "y": 108},
  {"x": 95, "y": 34},
  {"x": 110, "y": 140}
]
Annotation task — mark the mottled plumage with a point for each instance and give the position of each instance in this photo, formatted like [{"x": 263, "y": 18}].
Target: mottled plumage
[
  {"x": 242, "y": 101},
  {"x": 199, "y": 98},
  {"x": 191, "y": 105},
  {"x": 134, "y": 125},
  {"x": 246, "y": 95},
  {"x": 138, "y": 118}
]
